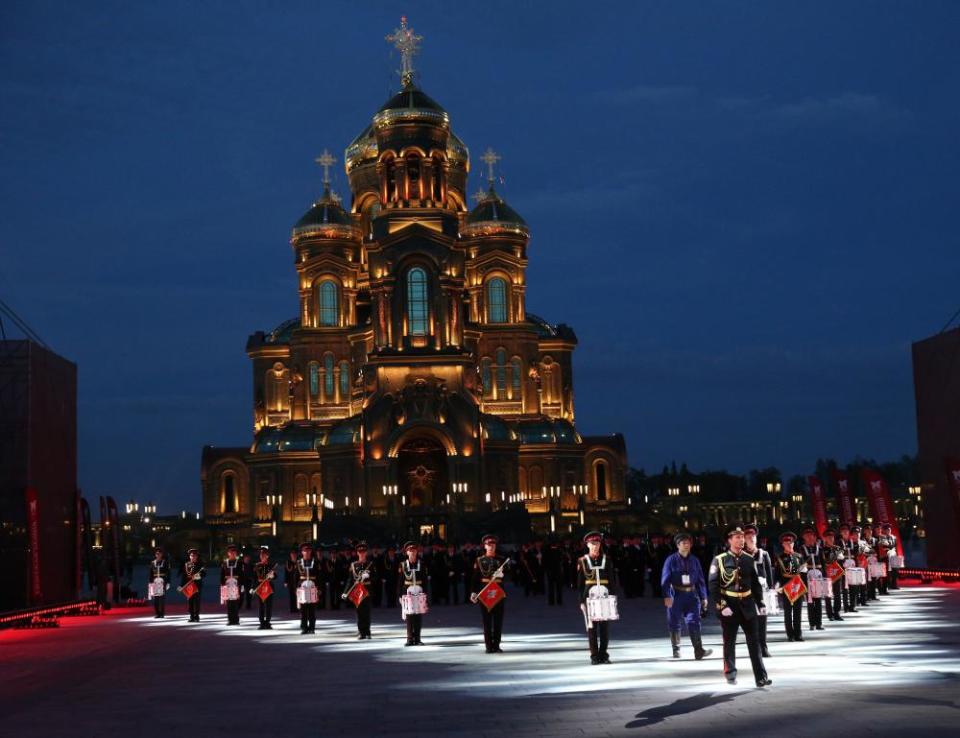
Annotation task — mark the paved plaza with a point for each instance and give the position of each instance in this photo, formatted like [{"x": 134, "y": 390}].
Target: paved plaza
[{"x": 891, "y": 667}]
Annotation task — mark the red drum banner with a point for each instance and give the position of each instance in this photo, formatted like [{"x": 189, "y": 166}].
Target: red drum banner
[
  {"x": 33, "y": 531},
  {"x": 845, "y": 506},
  {"x": 818, "y": 504},
  {"x": 881, "y": 503}
]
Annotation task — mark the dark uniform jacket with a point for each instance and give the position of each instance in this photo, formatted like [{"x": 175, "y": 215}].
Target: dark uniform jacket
[
  {"x": 189, "y": 569},
  {"x": 160, "y": 569},
  {"x": 410, "y": 575},
  {"x": 788, "y": 565},
  {"x": 587, "y": 571},
  {"x": 309, "y": 570},
  {"x": 733, "y": 582},
  {"x": 483, "y": 570},
  {"x": 355, "y": 575},
  {"x": 231, "y": 569},
  {"x": 261, "y": 572}
]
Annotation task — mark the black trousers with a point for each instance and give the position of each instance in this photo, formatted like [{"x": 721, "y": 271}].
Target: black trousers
[
  {"x": 599, "y": 637},
  {"x": 414, "y": 624},
  {"x": 233, "y": 611},
  {"x": 266, "y": 610},
  {"x": 849, "y": 596},
  {"x": 883, "y": 583},
  {"x": 792, "y": 617},
  {"x": 492, "y": 625},
  {"x": 292, "y": 596},
  {"x": 892, "y": 576},
  {"x": 730, "y": 625},
  {"x": 815, "y": 613},
  {"x": 159, "y": 606},
  {"x": 308, "y": 616},
  {"x": 872, "y": 589},
  {"x": 861, "y": 594},
  {"x": 193, "y": 605},
  {"x": 555, "y": 590},
  {"x": 762, "y": 630},
  {"x": 247, "y": 596},
  {"x": 363, "y": 617},
  {"x": 833, "y": 603}
]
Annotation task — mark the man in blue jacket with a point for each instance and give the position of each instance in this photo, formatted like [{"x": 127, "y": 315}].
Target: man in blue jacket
[{"x": 685, "y": 595}]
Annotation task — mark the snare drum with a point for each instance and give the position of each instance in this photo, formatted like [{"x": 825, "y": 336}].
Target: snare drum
[
  {"x": 771, "y": 601},
  {"x": 602, "y": 607},
  {"x": 307, "y": 593},
  {"x": 157, "y": 588},
  {"x": 877, "y": 570},
  {"x": 413, "y": 603},
  {"x": 820, "y": 589},
  {"x": 895, "y": 561},
  {"x": 856, "y": 575}
]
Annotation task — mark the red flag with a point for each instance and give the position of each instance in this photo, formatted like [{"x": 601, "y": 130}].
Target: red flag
[
  {"x": 845, "y": 504},
  {"x": 818, "y": 503},
  {"x": 189, "y": 589},
  {"x": 358, "y": 593},
  {"x": 794, "y": 589},
  {"x": 881, "y": 503},
  {"x": 834, "y": 571},
  {"x": 263, "y": 589},
  {"x": 491, "y": 595}
]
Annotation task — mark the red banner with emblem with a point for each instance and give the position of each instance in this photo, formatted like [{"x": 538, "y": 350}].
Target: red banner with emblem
[
  {"x": 846, "y": 509},
  {"x": 189, "y": 589},
  {"x": 818, "y": 504},
  {"x": 33, "y": 531},
  {"x": 264, "y": 589},
  {"x": 881, "y": 503},
  {"x": 491, "y": 595},
  {"x": 794, "y": 589},
  {"x": 834, "y": 571},
  {"x": 358, "y": 593}
]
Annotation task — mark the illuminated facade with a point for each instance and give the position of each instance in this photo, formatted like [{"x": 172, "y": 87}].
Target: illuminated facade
[{"x": 413, "y": 381}]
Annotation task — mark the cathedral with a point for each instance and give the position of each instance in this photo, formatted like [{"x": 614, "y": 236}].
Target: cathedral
[{"x": 413, "y": 387}]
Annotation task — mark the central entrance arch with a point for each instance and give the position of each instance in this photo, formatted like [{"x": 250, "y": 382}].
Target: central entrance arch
[{"x": 422, "y": 472}]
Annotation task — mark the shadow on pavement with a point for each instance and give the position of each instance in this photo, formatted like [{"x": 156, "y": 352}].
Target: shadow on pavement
[{"x": 683, "y": 706}]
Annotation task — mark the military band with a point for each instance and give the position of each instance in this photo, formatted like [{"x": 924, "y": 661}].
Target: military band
[
  {"x": 413, "y": 577},
  {"x": 832, "y": 557},
  {"x": 790, "y": 568},
  {"x": 812, "y": 555}
]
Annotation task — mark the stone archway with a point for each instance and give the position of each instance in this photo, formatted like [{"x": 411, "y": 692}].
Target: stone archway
[{"x": 422, "y": 473}]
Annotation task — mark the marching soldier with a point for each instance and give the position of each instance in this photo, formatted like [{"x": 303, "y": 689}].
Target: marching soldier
[
  {"x": 887, "y": 544},
  {"x": 412, "y": 574},
  {"x": 761, "y": 559},
  {"x": 193, "y": 572},
  {"x": 263, "y": 575},
  {"x": 832, "y": 554},
  {"x": 595, "y": 569},
  {"x": 790, "y": 564},
  {"x": 735, "y": 588},
  {"x": 159, "y": 569},
  {"x": 870, "y": 550},
  {"x": 361, "y": 581},
  {"x": 685, "y": 595},
  {"x": 849, "y": 594},
  {"x": 859, "y": 550},
  {"x": 308, "y": 576},
  {"x": 813, "y": 557},
  {"x": 486, "y": 586},
  {"x": 231, "y": 570}
]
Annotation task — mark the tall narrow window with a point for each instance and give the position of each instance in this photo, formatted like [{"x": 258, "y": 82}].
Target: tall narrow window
[
  {"x": 486, "y": 377},
  {"x": 437, "y": 179},
  {"x": 314, "y": 379},
  {"x": 327, "y": 303},
  {"x": 497, "y": 300},
  {"x": 501, "y": 372},
  {"x": 601, "y": 480},
  {"x": 229, "y": 494},
  {"x": 417, "y": 307},
  {"x": 344, "y": 381},
  {"x": 328, "y": 377},
  {"x": 516, "y": 367},
  {"x": 413, "y": 176}
]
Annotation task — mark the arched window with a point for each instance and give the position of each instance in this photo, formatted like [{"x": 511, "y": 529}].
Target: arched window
[
  {"x": 501, "y": 372},
  {"x": 391, "y": 180},
  {"x": 516, "y": 366},
  {"x": 229, "y": 498},
  {"x": 413, "y": 176},
  {"x": 344, "y": 381},
  {"x": 437, "y": 179},
  {"x": 417, "y": 307},
  {"x": 497, "y": 300},
  {"x": 327, "y": 303},
  {"x": 328, "y": 384},
  {"x": 600, "y": 472},
  {"x": 314, "y": 379},
  {"x": 486, "y": 377}
]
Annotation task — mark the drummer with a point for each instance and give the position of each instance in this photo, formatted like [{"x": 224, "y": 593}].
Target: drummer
[
  {"x": 592, "y": 570},
  {"x": 848, "y": 552},
  {"x": 832, "y": 554},
  {"x": 685, "y": 595},
  {"x": 159, "y": 569},
  {"x": 887, "y": 543},
  {"x": 230, "y": 570},
  {"x": 812, "y": 554},
  {"x": 761, "y": 559},
  {"x": 308, "y": 570},
  {"x": 412, "y": 574},
  {"x": 790, "y": 564},
  {"x": 488, "y": 575}
]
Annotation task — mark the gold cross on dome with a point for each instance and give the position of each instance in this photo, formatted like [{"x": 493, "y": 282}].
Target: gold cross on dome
[
  {"x": 490, "y": 158},
  {"x": 408, "y": 44},
  {"x": 479, "y": 196},
  {"x": 326, "y": 160}
]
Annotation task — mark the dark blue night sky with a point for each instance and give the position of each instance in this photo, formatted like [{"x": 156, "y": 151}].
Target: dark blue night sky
[{"x": 746, "y": 210}]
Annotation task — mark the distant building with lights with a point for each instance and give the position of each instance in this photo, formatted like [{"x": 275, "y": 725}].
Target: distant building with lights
[{"x": 413, "y": 383}]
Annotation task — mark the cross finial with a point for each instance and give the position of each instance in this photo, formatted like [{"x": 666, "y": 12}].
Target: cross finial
[
  {"x": 479, "y": 196},
  {"x": 326, "y": 160},
  {"x": 490, "y": 157},
  {"x": 408, "y": 44}
]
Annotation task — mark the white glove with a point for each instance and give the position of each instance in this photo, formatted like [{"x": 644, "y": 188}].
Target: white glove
[
  {"x": 761, "y": 611},
  {"x": 271, "y": 575},
  {"x": 343, "y": 597},
  {"x": 167, "y": 587},
  {"x": 474, "y": 598},
  {"x": 365, "y": 576},
  {"x": 726, "y": 612},
  {"x": 196, "y": 577}
]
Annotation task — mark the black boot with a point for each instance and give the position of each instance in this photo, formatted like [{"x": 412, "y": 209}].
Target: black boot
[
  {"x": 675, "y": 643},
  {"x": 699, "y": 652}
]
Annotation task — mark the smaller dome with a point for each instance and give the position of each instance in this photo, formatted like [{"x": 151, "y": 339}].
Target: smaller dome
[
  {"x": 493, "y": 215},
  {"x": 326, "y": 219},
  {"x": 281, "y": 334},
  {"x": 544, "y": 430}
]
